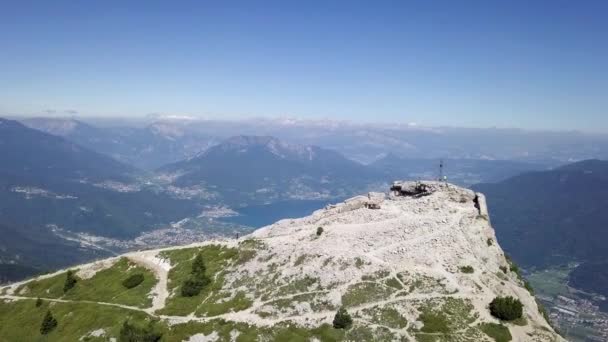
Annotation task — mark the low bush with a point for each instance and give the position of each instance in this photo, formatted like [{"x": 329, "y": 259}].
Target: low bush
[
  {"x": 529, "y": 287},
  {"x": 498, "y": 332},
  {"x": 467, "y": 269},
  {"x": 506, "y": 308},
  {"x": 133, "y": 281},
  {"x": 192, "y": 287},
  {"x": 132, "y": 333},
  {"x": 319, "y": 231}
]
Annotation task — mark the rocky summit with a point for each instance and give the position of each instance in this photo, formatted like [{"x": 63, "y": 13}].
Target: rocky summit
[{"x": 418, "y": 264}]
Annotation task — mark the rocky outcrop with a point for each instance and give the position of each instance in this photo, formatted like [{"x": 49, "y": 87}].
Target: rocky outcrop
[{"x": 408, "y": 267}]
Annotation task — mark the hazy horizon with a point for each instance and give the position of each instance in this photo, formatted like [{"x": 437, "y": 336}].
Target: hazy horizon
[
  {"x": 155, "y": 117},
  {"x": 532, "y": 66}
]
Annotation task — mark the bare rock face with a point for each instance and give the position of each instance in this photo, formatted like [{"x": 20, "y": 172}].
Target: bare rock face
[
  {"x": 428, "y": 248},
  {"x": 421, "y": 264}
]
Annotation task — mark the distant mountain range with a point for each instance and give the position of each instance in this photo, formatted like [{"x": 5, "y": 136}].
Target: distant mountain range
[
  {"x": 118, "y": 180},
  {"x": 162, "y": 140},
  {"x": 145, "y": 147},
  {"x": 459, "y": 171},
  {"x": 31, "y": 155},
  {"x": 49, "y": 180},
  {"x": 554, "y": 217},
  {"x": 253, "y": 168},
  {"x": 49, "y": 185},
  {"x": 412, "y": 269}
]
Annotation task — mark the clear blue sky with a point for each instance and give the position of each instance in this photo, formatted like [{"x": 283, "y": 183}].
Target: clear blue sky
[{"x": 528, "y": 64}]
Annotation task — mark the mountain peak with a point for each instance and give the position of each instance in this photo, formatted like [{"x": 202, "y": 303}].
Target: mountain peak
[
  {"x": 272, "y": 145},
  {"x": 250, "y": 140},
  {"x": 56, "y": 126},
  {"x": 420, "y": 262}
]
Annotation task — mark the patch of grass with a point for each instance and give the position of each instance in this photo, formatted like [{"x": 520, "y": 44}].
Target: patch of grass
[
  {"x": 248, "y": 250},
  {"x": 182, "y": 332},
  {"x": 245, "y": 255},
  {"x": 20, "y": 321},
  {"x": 289, "y": 332},
  {"x": 498, "y": 332},
  {"x": 46, "y": 288},
  {"x": 131, "y": 332},
  {"x": 360, "y": 293},
  {"x": 394, "y": 283},
  {"x": 263, "y": 314},
  {"x": 434, "y": 322},
  {"x": 360, "y": 333},
  {"x": 267, "y": 258},
  {"x": 299, "y": 285},
  {"x": 105, "y": 286},
  {"x": 315, "y": 300},
  {"x": 467, "y": 269},
  {"x": 213, "y": 308},
  {"x": 300, "y": 260},
  {"x": 282, "y": 332},
  {"x": 448, "y": 317},
  {"x": 375, "y": 276},
  {"x": 359, "y": 262},
  {"x": 501, "y": 276},
  {"x": 252, "y": 244},
  {"x": 387, "y": 316},
  {"x": 420, "y": 283},
  {"x": 217, "y": 259}
]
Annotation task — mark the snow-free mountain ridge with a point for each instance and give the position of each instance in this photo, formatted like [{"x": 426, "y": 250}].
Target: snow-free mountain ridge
[{"x": 420, "y": 264}]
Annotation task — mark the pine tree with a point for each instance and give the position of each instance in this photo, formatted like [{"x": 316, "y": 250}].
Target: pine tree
[
  {"x": 342, "y": 319},
  {"x": 70, "y": 281},
  {"x": 198, "y": 279},
  {"x": 198, "y": 266},
  {"x": 38, "y": 302},
  {"x": 48, "y": 323}
]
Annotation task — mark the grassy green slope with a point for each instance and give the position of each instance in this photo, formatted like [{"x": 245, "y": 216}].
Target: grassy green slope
[
  {"x": 105, "y": 286},
  {"x": 20, "y": 320}
]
